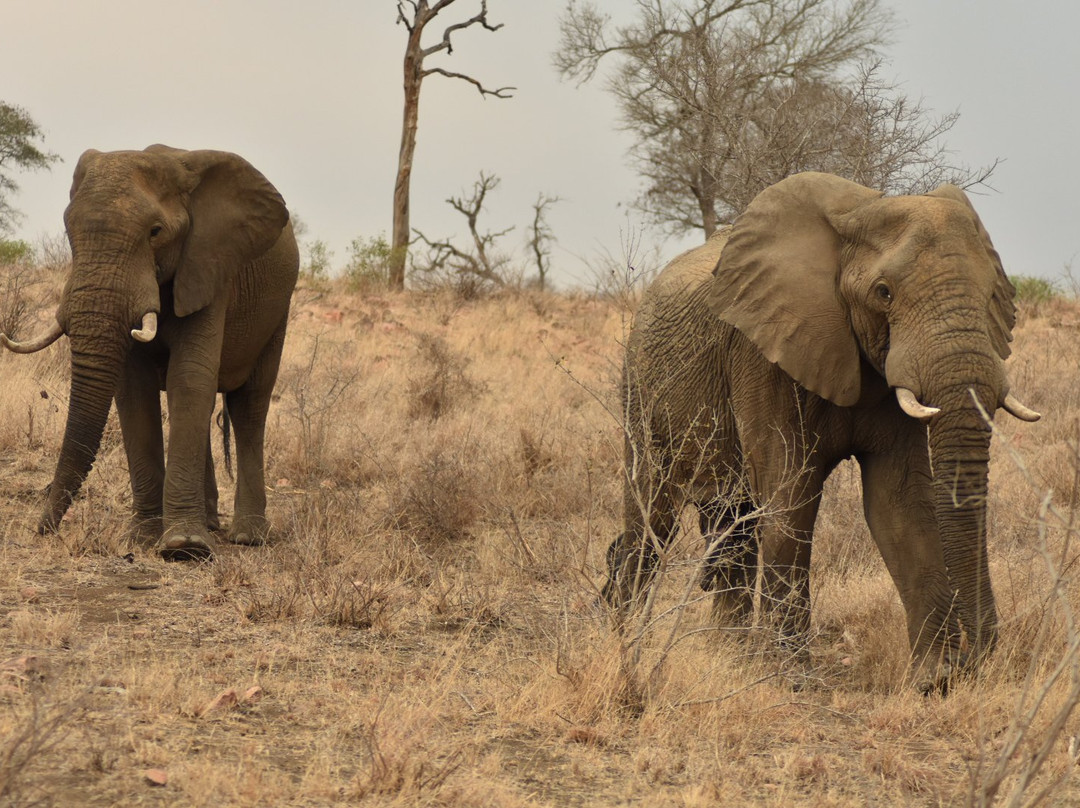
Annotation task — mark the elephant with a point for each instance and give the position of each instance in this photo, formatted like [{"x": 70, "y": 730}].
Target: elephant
[
  {"x": 829, "y": 321},
  {"x": 183, "y": 268}
]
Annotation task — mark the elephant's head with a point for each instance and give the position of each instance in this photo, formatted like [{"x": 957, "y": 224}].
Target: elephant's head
[
  {"x": 155, "y": 232},
  {"x": 842, "y": 287}
]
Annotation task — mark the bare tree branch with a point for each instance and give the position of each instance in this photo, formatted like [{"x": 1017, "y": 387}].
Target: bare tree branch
[
  {"x": 479, "y": 19},
  {"x": 501, "y": 92}
]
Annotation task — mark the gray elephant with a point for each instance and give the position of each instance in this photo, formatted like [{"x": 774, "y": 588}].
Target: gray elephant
[
  {"x": 828, "y": 322},
  {"x": 183, "y": 267}
]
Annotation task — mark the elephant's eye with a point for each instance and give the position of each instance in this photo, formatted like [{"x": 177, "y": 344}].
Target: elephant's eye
[
  {"x": 155, "y": 230},
  {"x": 883, "y": 292}
]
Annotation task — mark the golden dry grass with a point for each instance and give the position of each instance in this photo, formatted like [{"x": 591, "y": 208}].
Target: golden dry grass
[{"x": 444, "y": 480}]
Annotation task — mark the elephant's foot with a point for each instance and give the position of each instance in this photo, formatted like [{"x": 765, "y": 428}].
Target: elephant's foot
[
  {"x": 251, "y": 532},
  {"x": 213, "y": 521},
  {"x": 933, "y": 675},
  {"x": 183, "y": 545},
  {"x": 145, "y": 531}
]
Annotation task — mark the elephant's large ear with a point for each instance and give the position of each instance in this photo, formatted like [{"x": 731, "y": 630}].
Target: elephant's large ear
[
  {"x": 777, "y": 282},
  {"x": 236, "y": 216},
  {"x": 1002, "y": 310}
]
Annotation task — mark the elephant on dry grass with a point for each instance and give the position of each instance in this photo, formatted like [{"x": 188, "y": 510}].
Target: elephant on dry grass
[
  {"x": 183, "y": 266},
  {"x": 828, "y": 322}
]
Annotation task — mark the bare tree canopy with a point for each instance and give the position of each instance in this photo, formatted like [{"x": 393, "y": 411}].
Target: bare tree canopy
[
  {"x": 416, "y": 15},
  {"x": 726, "y": 97},
  {"x": 18, "y": 133}
]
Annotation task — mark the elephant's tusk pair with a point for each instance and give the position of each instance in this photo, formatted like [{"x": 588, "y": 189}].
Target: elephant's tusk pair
[
  {"x": 1018, "y": 410},
  {"x": 910, "y": 405},
  {"x": 149, "y": 328},
  {"x": 34, "y": 345}
]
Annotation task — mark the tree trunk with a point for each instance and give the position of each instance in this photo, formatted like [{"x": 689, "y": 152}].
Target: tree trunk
[
  {"x": 708, "y": 217},
  {"x": 399, "y": 245}
]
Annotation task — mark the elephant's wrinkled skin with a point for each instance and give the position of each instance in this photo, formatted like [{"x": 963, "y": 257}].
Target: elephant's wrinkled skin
[
  {"x": 793, "y": 340},
  {"x": 183, "y": 265}
]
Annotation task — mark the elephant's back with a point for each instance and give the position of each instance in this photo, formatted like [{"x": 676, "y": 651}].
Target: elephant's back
[{"x": 675, "y": 378}]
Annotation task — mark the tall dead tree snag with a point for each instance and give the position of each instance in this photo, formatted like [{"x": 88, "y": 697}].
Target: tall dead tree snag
[{"x": 415, "y": 15}]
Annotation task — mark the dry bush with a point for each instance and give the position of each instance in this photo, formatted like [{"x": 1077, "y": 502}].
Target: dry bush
[
  {"x": 437, "y": 498},
  {"x": 318, "y": 391},
  {"x": 30, "y": 732},
  {"x": 444, "y": 384}
]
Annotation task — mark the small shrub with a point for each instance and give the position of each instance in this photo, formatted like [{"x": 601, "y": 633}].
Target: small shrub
[
  {"x": 369, "y": 263},
  {"x": 316, "y": 266},
  {"x": 314, "y": 394},
  {"x": 16, "y": 252},
  {"x": 1034, "y": 291},
  {"x": 17, "y": 276},
  {"x": 444, "y": 385},
  {"x": 437, "y": 501}
]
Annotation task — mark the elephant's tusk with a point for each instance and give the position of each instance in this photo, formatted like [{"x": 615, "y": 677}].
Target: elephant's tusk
[
  {"x": 1018, "y": 410},
  {"x": 149, "y": 328},
  {"x": 34, "y": 345},
  {"x": 911, "y": 405}
]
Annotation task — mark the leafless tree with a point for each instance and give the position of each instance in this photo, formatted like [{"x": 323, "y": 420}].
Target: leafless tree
[
  {"x": 541, "y": 236},
  {"x": 725, "y": 97},
  {"x": 483, "y": 263},
  {"x": 416, "y": 15}
]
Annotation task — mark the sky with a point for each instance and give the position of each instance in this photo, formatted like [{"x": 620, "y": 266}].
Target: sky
[{"x": 310, "y": 93}]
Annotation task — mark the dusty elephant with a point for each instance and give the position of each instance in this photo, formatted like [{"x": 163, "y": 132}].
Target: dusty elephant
[
  {"x": 183, "y": 266},
  {"x": 828, "y": 322}
]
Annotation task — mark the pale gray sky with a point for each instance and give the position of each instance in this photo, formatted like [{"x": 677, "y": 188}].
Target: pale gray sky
[{"x": 311, "y": 94}]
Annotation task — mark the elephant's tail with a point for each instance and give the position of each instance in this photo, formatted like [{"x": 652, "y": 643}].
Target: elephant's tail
[{"x": 225, "y": 424}]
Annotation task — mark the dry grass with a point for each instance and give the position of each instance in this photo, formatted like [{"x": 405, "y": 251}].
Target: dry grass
[{"x": 423, "y": 630}]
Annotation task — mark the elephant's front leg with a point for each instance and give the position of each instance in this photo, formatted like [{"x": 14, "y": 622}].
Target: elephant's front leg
[
  {"x": 786, "y": 531},
  {"x": 779, "y": 430},
  {"x": 191, "y": 383},
  {"x": 138, "y": 403}
]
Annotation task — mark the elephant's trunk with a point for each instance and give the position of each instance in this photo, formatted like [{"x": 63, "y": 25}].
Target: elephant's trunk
[
  {"x": 98, "y": 350},
  {"x": 959, "y": 441}
]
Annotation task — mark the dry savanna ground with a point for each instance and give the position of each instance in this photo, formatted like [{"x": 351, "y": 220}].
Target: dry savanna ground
[{"x": 443, "y": 478}]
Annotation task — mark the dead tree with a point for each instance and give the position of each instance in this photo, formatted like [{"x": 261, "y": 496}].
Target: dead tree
[
  {"x": 483, "y": 264},
  {"x": 415, "y": 15},
  {"x": 541, "y": 237}
]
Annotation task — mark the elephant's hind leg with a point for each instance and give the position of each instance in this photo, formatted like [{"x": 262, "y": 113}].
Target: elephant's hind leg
[
  {"x": 729, "y": 528},
  {"x": 248, "y": 407}
]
